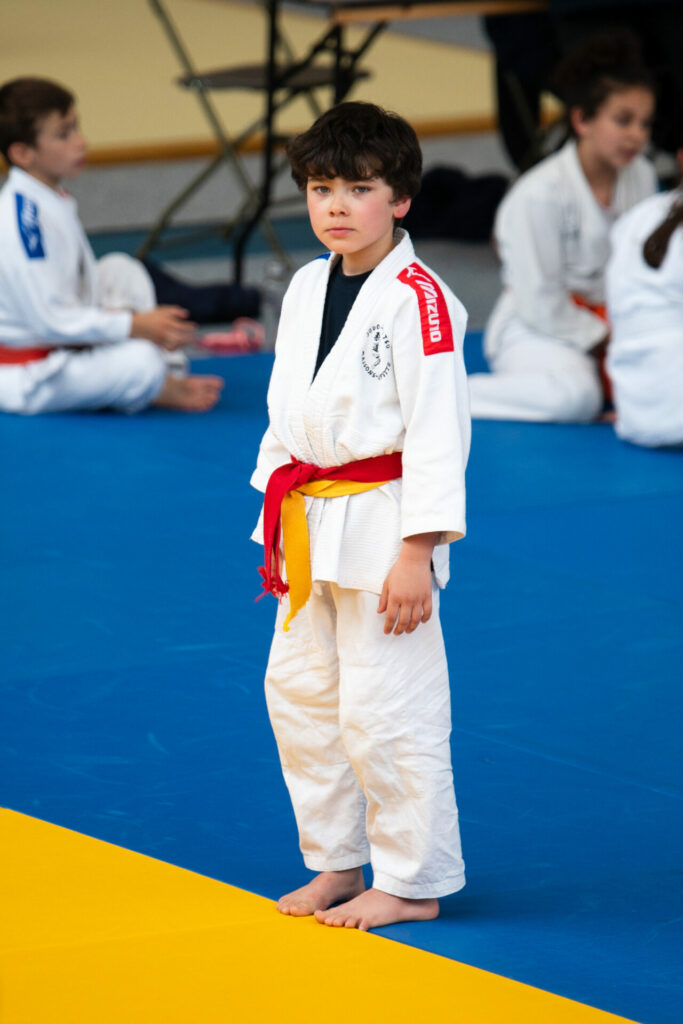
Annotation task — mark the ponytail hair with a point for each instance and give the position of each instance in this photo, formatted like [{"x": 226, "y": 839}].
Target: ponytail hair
[
  {"x": 655, "y": 248},
  {"x": 606, "y": 63}
]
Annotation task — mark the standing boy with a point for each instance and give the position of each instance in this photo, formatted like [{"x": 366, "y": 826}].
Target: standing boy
[
  {"x": 368, "y": 418},
  {"x": 75, "y": 334}
]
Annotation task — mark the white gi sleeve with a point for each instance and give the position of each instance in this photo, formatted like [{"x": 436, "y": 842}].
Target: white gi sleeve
[
  {"x": 272, "y": 452},
  {"x": 271, "y": 455},
  {"x": 532, "y": 238},
  {"x": 432, "y": 390},
  {"x": 46, "y": 307}
]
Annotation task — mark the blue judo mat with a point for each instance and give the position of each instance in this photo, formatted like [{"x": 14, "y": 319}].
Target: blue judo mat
[{"x": 133, "y": 657}]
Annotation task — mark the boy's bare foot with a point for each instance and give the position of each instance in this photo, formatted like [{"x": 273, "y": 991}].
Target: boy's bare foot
[
  {"x": 325, "y": 889},
  {"x": 374, "y": 909},
  {"x": 190, "y": 394}
]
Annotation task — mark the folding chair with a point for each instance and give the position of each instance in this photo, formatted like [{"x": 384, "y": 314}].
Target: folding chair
[{"x": 281, "y": 78}]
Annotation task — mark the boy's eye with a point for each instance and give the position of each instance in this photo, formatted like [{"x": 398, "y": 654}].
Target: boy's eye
[
  {"x": 361, "y": 188},
  {"x": 321, "y": 189}
]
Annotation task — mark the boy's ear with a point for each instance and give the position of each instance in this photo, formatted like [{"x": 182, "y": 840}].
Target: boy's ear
[
  {"x": 21, "y": 155},
  {"x": 401, "y": 207}
]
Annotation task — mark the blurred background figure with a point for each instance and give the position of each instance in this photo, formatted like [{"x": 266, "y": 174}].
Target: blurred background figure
[
  {"x": 528, "y": 47},
  {"x": 548, "y": 331},
  {"x": 645, "y": 303}
]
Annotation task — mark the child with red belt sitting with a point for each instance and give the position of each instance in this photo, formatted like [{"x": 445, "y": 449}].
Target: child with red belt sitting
[{"x": 75, "y": 333}]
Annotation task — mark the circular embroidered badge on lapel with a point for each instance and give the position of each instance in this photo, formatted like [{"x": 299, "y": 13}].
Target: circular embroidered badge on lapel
[{"x": 376, "y": 354}]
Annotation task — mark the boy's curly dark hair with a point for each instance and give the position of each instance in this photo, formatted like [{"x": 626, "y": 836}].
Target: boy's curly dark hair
[
  {"x": 358, "y": 141},
  {"x": 604, "y": 64},
  {"x": 23, "y": 102}
]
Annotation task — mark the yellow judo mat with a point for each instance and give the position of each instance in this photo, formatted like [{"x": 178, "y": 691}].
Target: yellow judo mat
[{"x": 93, "y": 933}]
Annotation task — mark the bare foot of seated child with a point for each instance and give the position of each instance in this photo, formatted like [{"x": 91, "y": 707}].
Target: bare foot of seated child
[
  {"x": 195, "y": 393},
  {"x": 323, "y": 891},
  {"x": 375, "y": 909}
]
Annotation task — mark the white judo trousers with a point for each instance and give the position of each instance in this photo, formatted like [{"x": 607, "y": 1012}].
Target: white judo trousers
[
  {"x": 553, "y": 240},
  {"x": 536, "y": 378},
  {"x": 362, "y": 723},
  {"x": 646, "y": 309},
  {"x": 647, "y": 371},
  {"x": 125, "y": 377}
]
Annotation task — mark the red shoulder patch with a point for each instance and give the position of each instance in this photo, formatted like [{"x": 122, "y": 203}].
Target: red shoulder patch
[{"x": 435, "y": 322}]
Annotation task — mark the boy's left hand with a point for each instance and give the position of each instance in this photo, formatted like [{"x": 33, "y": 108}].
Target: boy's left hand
[{"x": 406, "y": 598}]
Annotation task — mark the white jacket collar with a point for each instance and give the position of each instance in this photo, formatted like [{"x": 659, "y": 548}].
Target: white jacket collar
[{"x": 20, "y": 181}]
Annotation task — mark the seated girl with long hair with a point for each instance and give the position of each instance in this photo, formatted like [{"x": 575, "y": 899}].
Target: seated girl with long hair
[{"x": 645, "y": 302}]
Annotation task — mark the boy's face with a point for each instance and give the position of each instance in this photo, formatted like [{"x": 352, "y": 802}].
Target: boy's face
[
  {"x": 355, "y": 219},
  {"x": 59, "y": 150}
]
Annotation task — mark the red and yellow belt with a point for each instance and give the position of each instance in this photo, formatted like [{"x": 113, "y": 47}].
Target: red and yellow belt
[{"x": 284, "y": 514}]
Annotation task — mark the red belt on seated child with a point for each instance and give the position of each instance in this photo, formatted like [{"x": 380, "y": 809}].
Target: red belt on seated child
[
  {"x": 11, "y": 356},
  {"x": 284, "y": 511}
]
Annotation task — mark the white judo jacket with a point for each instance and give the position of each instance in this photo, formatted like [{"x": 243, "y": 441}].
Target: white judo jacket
[
  {"x": 553, "y": 241},
  {"x": 643, "y": 300},
  {"x": 48, "y": 281},
  {"x": 645, "y": 356},
  {"x": 394, "y": 381}
]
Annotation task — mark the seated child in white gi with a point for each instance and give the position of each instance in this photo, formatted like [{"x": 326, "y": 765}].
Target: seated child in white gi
[
  {"x": 368, "y": 418},
  {"x": 75, "y": 334},
  {"x": 548, "y": 331},
  {"x": 645, "y": 303}
]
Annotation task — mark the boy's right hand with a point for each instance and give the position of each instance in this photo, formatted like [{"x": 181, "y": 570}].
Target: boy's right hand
[{"x": 166, "y": 326}]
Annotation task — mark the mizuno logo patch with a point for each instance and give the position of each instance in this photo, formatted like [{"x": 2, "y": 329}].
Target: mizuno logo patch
[
  {"x": 435, "y": 322},
  {"x": 29, "y": 227}
]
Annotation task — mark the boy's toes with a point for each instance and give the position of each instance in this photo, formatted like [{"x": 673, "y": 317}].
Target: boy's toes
[
  {"x": 298, "y": 910},
  {"x": 334, "y": 919},
  {"x": 294, "y": 908}
]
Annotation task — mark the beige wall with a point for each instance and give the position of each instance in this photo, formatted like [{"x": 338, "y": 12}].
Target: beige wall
[{"x": 115, "y": 56}]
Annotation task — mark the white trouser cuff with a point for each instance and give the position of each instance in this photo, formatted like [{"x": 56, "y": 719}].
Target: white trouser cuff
[
  {"x": 314, "y": 862},
  {"x": 419, "y": 891}
]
